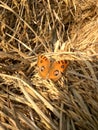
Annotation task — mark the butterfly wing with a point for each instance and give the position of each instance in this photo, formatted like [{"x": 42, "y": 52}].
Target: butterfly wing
[
  {"x": 57, "y": 69},
  {"x": 43, "y": 65}
]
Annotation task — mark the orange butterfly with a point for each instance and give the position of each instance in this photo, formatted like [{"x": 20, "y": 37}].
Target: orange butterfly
[{"x": 52, "y": 71}]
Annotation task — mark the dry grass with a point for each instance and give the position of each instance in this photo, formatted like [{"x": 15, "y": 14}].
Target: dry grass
[{"x": 55, "y": 28}]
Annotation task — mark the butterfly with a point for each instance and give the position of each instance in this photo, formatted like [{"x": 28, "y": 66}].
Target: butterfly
[{"x": 48, "y": 70}]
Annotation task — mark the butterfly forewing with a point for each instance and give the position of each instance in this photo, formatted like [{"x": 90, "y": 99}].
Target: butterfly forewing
[
  {"x": 57, "y": 68},
  {"x": 43, "y": 65}
]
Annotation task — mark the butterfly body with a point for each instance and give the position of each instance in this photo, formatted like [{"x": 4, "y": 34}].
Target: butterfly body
[{"x": 48, "y": 70}]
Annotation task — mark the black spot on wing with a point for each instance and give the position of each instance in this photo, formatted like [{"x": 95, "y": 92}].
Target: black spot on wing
[
  {"x": 56, "y": 72},
  {"x": 63, "y": 62},
  {"x": 43, "y": 58},
  {"x": 42, "y": 68}
]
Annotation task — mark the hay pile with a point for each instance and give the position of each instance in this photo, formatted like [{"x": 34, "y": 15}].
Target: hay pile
[{"x": 54, "y": 28}]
